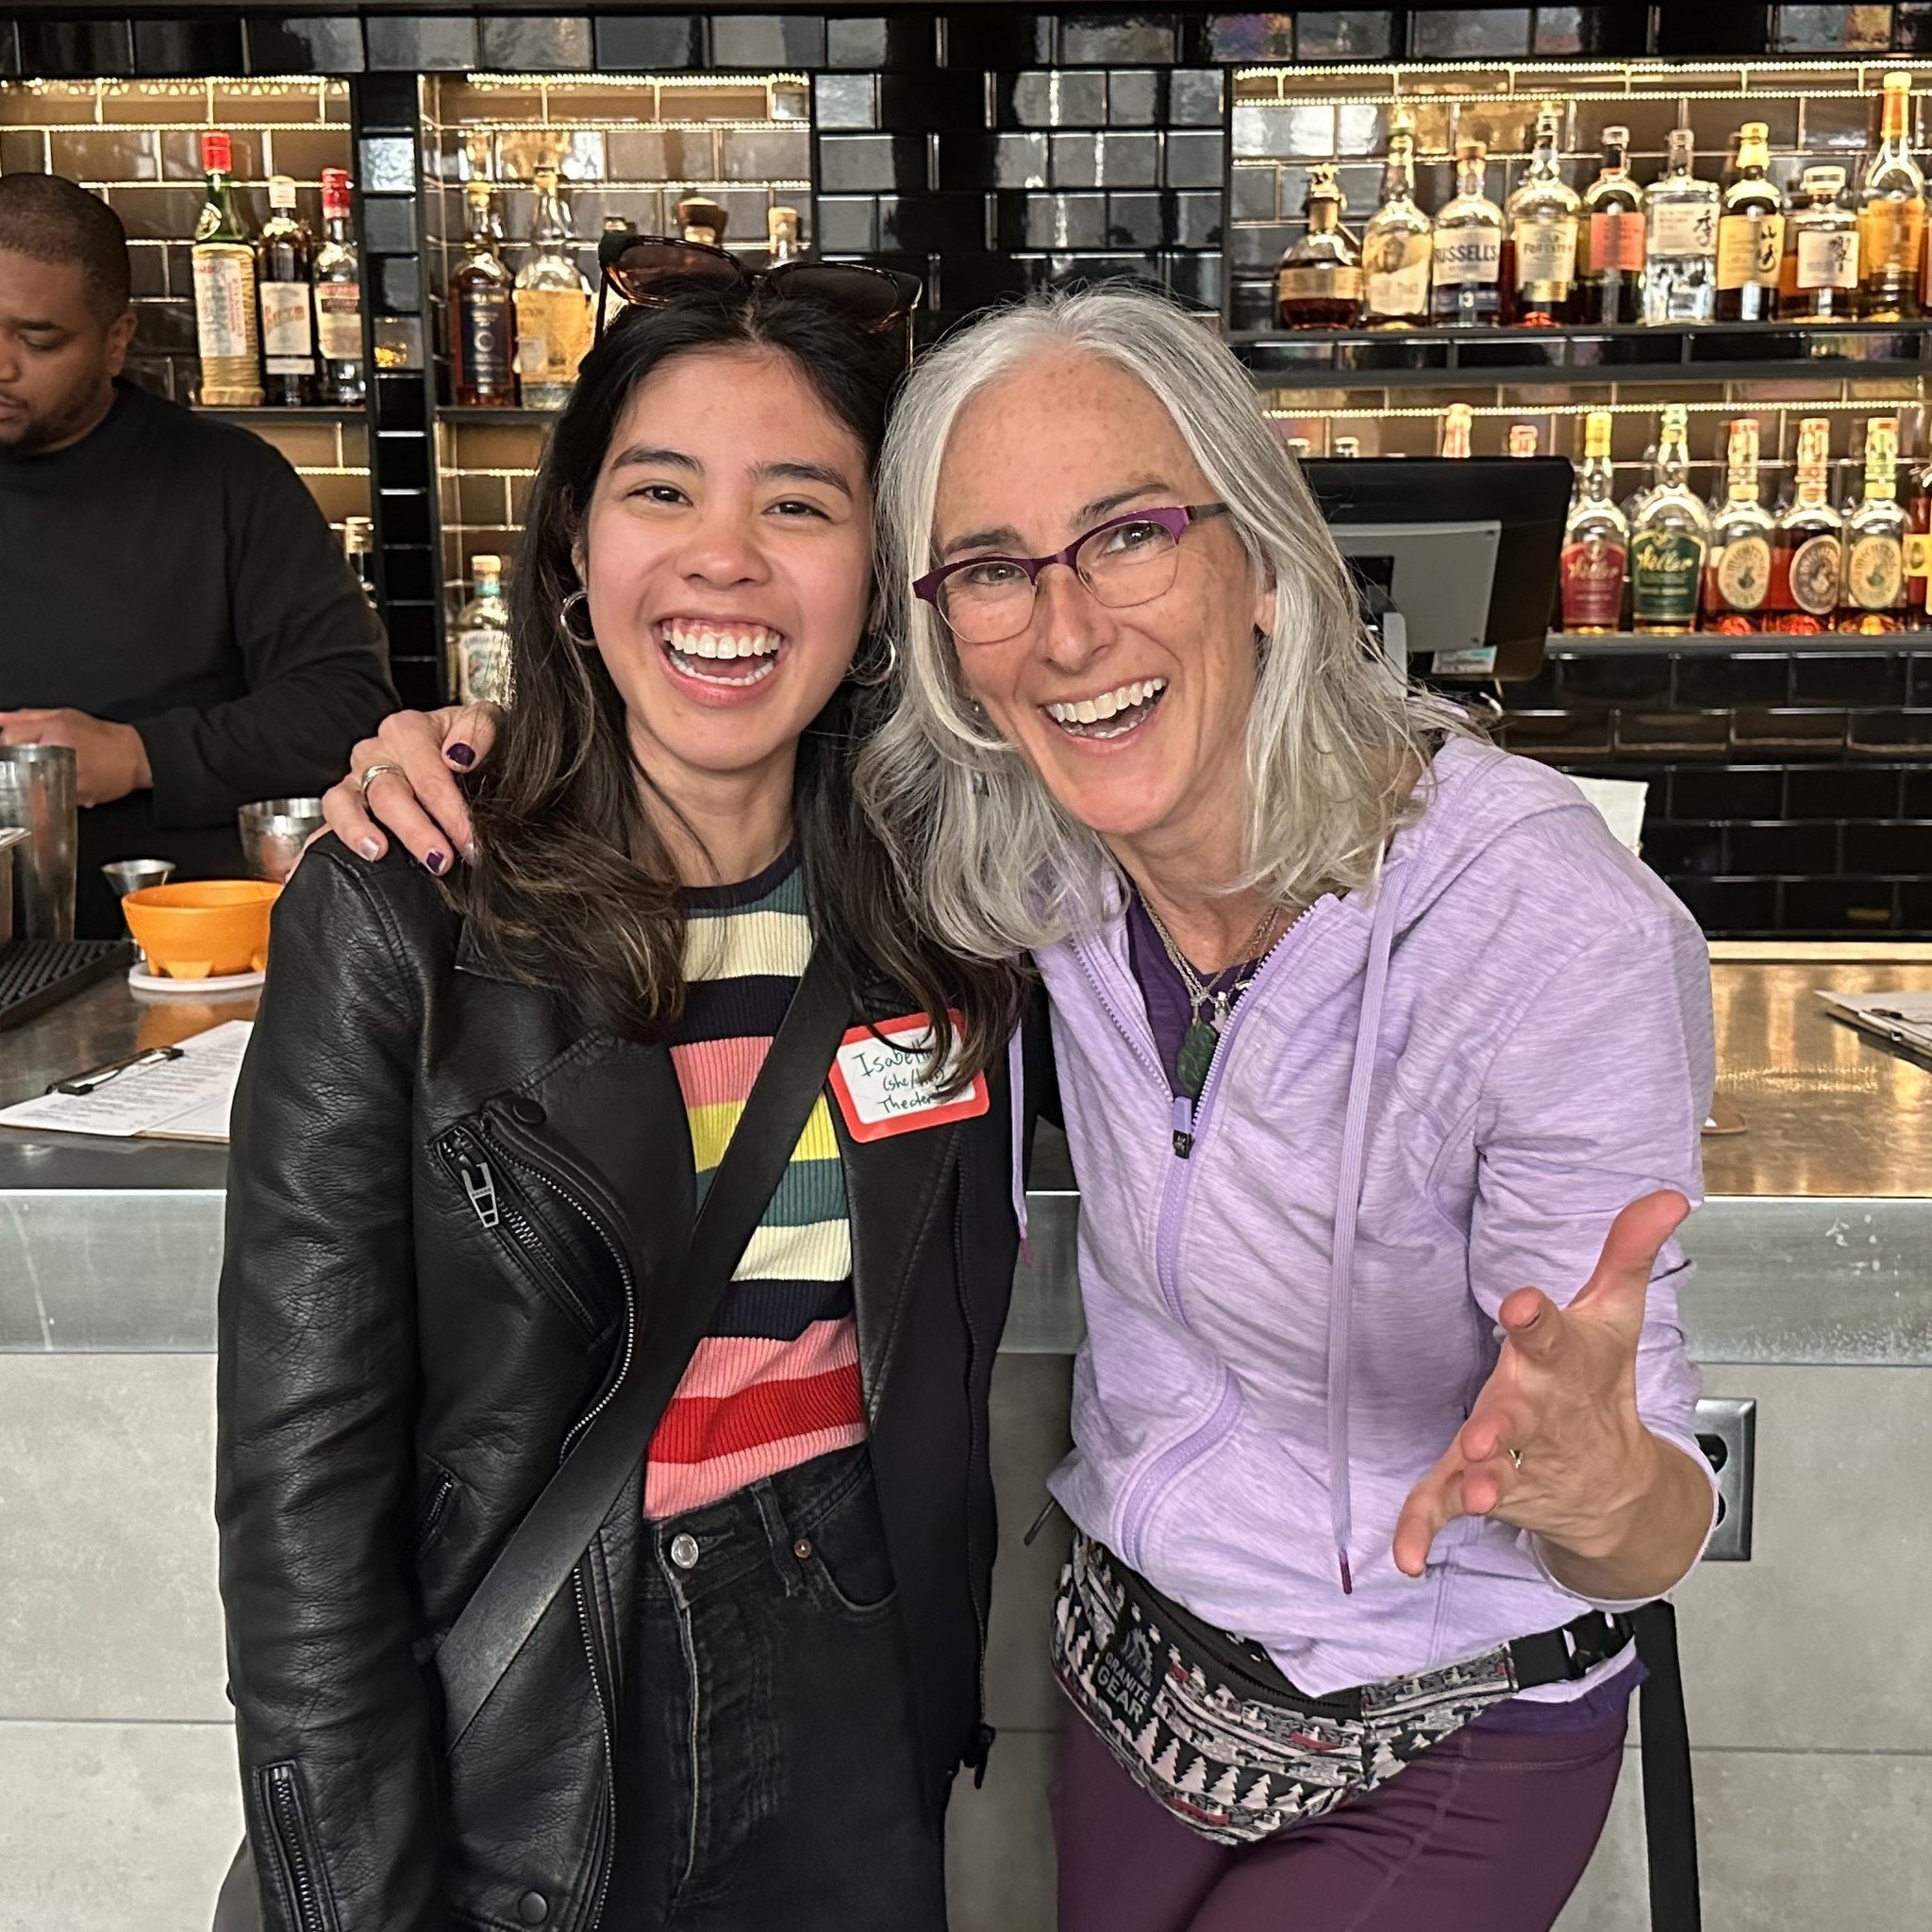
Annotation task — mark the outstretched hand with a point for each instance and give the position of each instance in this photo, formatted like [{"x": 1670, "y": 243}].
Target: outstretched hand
[{"x": 1554, "y": 1443}]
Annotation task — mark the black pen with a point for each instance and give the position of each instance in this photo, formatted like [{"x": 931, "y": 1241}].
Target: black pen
[{"x": 99, "y": 1076}]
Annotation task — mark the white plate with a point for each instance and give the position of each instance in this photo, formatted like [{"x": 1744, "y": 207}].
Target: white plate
[{"x": 229, "y": 983}]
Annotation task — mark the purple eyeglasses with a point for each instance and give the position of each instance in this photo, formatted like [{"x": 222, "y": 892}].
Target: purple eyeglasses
[{"x": 1127, "y": 561}]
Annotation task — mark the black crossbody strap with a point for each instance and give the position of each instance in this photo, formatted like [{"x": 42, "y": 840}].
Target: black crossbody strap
[
  {"x": 546, "y": 1545},
  {"x": 1670, "y": 1811}
]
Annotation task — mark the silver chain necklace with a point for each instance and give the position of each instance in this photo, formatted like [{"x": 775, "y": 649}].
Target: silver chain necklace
[{"x": 1208, "y": 1005}]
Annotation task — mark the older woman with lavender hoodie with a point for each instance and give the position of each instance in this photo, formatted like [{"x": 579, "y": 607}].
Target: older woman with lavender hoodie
[{"x": 1383, "y": 1069}]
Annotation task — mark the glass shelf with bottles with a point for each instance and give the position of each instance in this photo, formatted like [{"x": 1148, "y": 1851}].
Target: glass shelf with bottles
[{"x": 1673, "y": 271}]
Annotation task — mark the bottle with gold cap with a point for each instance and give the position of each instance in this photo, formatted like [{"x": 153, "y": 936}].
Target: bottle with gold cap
[
  {"x": 1319, "y": 282},
  {"x": 781, "y": 234},
  {"x": 1466, "y": 266},
  {"x": 1596, "y": 539},
  {"x": 1808, "y": 549},
  {"x": 1670, "y": 530},
  {"x": 1750, "y": 234},
  {"x": 1397, "y": 243},
  {"x": 1458, "y": 420},
  {"x": 1891, "y": 214},
  {"x": 700, "y": 219},
  {"x": 1737, "y": 571},
  {"x": 1874, "y": 596}
]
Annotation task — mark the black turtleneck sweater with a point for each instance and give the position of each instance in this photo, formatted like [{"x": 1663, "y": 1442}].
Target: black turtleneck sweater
[{"x": 172, "y": 573}]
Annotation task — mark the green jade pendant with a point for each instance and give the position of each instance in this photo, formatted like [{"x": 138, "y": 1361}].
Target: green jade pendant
[{"x": 1195, "y": 1057}]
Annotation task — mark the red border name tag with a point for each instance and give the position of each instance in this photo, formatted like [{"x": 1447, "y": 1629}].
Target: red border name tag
[{"x": 884, "y": 1088}]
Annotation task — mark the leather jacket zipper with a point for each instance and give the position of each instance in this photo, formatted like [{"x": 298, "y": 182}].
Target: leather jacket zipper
[
  {"x": 433, "y": 1513},
  {"x": 495, "y": 1207},
  {"x": 282, "y": 1798}
]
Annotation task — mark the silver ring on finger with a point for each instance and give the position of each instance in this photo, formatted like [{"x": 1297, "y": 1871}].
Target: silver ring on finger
[
  {"x": 372, "y": 773},
  {"x": 1516, "y": 1458}
]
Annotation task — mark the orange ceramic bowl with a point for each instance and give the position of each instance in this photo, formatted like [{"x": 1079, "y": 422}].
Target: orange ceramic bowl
[{"x": 203, "y": 929}]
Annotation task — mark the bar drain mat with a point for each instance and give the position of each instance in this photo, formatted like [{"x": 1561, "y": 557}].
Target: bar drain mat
[{"x": 38, "y": 973}]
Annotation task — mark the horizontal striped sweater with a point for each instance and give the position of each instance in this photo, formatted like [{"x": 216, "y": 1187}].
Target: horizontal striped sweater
[{"x": 775, "y": 1380}]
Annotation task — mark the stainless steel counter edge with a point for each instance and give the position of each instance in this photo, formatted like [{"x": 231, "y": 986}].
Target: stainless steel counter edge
[{"x": 1787, "y": 1280}]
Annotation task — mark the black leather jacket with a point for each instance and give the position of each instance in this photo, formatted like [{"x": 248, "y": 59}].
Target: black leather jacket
[{"x": 398, "y": 1380}]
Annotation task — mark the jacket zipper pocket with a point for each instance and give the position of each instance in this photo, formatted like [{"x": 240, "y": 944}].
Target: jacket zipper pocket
[
  {"x": 430, "y": 1523},
  {"x": 498, "y": 1209},
  {"x": 293, "y": 1839}
]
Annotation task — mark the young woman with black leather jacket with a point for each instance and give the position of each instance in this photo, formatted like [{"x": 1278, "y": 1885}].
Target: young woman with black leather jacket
[{"x": 478, "y": 1113}]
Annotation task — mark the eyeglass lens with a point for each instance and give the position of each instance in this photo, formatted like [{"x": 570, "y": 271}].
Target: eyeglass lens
[{"x": 1124, "y": 564}]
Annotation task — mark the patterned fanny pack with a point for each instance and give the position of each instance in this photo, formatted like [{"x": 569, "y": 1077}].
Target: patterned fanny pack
[{"x": 1207, "y": 1724}]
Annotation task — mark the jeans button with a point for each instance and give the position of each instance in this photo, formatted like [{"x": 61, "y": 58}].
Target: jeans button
[
  {"x": 684, "y": 1550},
  {"x": 533, "y": 1908}
]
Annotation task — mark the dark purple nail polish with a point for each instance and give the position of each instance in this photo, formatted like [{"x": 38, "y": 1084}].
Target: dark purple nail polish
[
  {"x": 462, "y": 756},
  {"x": 437, "y": 863}
]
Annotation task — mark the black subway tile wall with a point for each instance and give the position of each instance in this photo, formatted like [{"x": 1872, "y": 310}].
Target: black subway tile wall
[{"x": 994, "y": 150}]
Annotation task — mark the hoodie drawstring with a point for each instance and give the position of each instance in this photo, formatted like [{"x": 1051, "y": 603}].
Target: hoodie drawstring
[
  {"x": 1016, "y": 1088},
  {"x": 1348, "y": 1202}
]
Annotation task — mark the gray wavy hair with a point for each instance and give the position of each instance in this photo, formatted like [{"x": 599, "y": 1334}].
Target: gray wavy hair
[{"x": 1335, "y": 736}]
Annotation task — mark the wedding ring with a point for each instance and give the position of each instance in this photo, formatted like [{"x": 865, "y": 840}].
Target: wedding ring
[
  {"x": 371, "y": 774},
  {"x": 1516, "y": 1458}
]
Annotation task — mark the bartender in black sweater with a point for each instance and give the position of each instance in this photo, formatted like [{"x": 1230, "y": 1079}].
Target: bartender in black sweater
[{"x": 172, "y": 602}]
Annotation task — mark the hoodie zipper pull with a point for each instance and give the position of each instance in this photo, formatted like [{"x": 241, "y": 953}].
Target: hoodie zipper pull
[
  {"x": 1183, "y": 1123},
  {"x": 480, "y": 1185}
]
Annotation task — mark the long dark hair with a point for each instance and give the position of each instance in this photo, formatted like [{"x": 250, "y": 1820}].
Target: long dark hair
[{"x": 574, "y": 887}]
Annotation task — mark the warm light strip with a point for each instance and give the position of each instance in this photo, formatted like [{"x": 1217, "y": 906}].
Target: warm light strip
[
  {"x": 1370, "y": 70},
  {"x": 1870, "y": 406},
  {"x": 485, "y": 83}
]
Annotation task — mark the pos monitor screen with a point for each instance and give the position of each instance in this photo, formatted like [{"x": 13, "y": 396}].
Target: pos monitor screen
[{"x": 1457, "y": 556}]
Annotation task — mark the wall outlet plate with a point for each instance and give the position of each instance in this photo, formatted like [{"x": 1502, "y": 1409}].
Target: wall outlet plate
[{"x": 1728, "y": 1434}]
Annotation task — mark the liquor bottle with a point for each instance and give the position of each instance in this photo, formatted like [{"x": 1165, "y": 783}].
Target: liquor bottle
[
  {"x": 1808, "y": 549},
  {"x": 1737, "y": 572},
  {"x": 1319, "y": 284},
  {"x": 1345, "y": 447},
  {"x": 479, "y": 639},
  {"x": 283, "y": 259},
  {"x": 1458, "y": 420},
  {"x": 1398, "y": 242},
  {"x": 1819, "y": 281},
  {"x": 1874, "y": 596},
  {"x": 1466, "y": 273},
  {"x": 1596, "y": 541},
  {"x": 226, "y": 328},
  {"x": 339, "y": 296},
  {"x": 1891, "y": 215},
  {"x": 1609, "y": 240},
  {"x": 553, "y": 304},
  {"x": 701, "y": 220},
  {"x": 1543, "y": 235},
  {"x": 483, "y": 327},
  {"x": 358, "y": 546},
  {"x": 1522, "y": 440},
  {"x": 1918, "y": 545},
  {"x": 1669, "y": 532},
  {"x": 1680, "y": 215},
  {"x": 1750, "y": 234},
  {"x": 781, "y": 234}
]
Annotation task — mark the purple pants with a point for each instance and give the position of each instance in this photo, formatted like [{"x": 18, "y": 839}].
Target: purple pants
[{"x": 1488, "y": 1831}]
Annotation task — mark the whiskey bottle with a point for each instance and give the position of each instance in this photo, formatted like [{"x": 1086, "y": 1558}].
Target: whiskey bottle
[
  {"x": 1874, "y": 596},
  {"x": 1820, "y": 279},
  {"x": 781, "y": 237},
  {"x": 1750, "y": 234},
  {"x": 339, "y": 296},
  {"x": 482, "y": 316},
  {"x": 1543, "y": 235},
  {"x": 226, "y": 328},
  {"x": 701, "y": 220},
  {"x": 553, "y": 301},
  {"x": 358, "y": 546},
  {"x": 1609, "y": 240},
  {"x": 1522, "y": 440},
  {"x": 479, "y": 639},
  {"x": 1398, "y": 242},
  {"x": 1319, "y": 284},
  {"x": 1466, "y": 272},
  {"x": 1345, "y": 447},
  {"x": 1670, "y": 530},
  {"x": 1918, "y": 545},
  {"x": 1680, "y": 216},
  {"x": 1737, "y": 572},
  {"x": 1596, "y": 541},
  {"x": 1808, "y": 548},
  {"x": 1458, "y": 419},
  {"x": 284, "y": 260},
  {"x": 1891, "y": 215}
]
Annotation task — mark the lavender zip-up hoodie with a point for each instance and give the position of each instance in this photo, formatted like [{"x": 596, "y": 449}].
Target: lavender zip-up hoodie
[{"x": 1431, "y": 1095}]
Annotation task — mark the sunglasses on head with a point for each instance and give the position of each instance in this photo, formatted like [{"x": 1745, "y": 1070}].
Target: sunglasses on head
[{"x": 652, "y": 271}]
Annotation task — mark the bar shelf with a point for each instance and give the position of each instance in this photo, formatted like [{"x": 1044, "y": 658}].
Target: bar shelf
[{"x": 1568, "y": 644}]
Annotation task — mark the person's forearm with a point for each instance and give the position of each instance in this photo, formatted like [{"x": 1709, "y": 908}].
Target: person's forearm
[{"x": 1653, "y": 1542}]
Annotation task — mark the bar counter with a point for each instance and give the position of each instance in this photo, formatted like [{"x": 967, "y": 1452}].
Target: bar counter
[{"x": 1814, "y": 1245}]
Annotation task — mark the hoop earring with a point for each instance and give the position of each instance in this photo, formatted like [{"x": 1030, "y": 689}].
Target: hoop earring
[
  {"x": 885, "y": 676},
  {"x": 564, "y": 613}
]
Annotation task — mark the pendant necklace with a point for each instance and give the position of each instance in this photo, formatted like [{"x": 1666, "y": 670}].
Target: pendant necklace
[{"x": 1208, "y": 1001}]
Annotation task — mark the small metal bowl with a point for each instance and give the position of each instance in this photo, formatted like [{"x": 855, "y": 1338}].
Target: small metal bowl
[{"x": 274, "y": 832}]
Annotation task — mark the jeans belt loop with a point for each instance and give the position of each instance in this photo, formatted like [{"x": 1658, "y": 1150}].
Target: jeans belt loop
[{"x": 778, "y": 1538}]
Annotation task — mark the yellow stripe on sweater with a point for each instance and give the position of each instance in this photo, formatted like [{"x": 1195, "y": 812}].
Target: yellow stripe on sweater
[{"x": 711, "y": 1128}]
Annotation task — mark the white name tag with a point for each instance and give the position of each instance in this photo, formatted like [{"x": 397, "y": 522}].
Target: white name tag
[{"x": 882, "y": 1081}]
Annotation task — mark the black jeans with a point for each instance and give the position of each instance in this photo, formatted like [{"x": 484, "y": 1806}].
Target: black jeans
[{"x": 768, "y": 1764}]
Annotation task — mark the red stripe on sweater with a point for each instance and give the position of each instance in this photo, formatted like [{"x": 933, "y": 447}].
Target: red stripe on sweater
[{"x": 697, "y": 1428}]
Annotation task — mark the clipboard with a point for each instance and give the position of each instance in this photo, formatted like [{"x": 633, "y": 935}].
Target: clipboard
[
  {"x": 183, "y": 1096},
  {"x": 1901, "y": 1019}
]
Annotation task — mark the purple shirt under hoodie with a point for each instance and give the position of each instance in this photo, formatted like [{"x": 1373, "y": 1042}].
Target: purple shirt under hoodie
[{"x": 1429, "y": 1095}]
